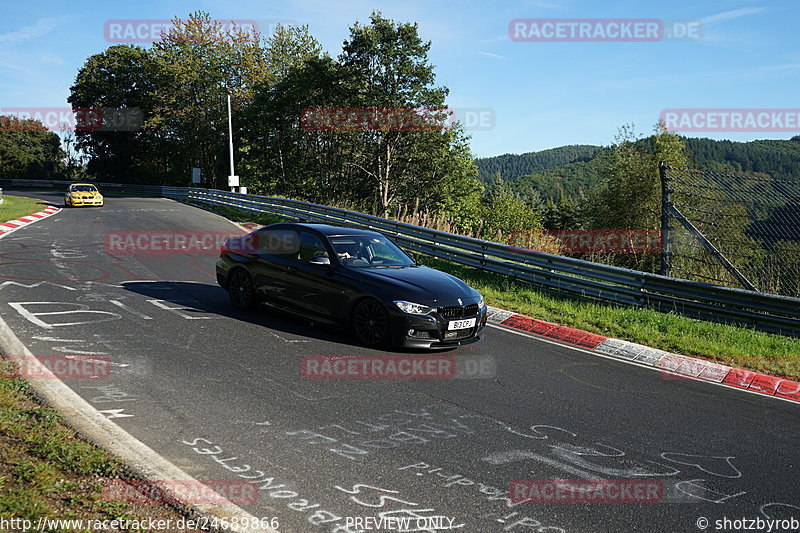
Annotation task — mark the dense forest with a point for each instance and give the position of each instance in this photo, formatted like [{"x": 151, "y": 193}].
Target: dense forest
[
  {"x": 511, "y": 166},
  {"x": 573, "y": 170},
  {"x": 780, "y": 159}
]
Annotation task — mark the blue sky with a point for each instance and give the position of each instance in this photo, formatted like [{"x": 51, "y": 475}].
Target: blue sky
[{"x": 541, "y": 94}]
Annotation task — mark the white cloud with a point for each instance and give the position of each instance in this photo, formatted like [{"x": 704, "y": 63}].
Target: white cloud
[
  {"x": 50, "y": 59},
  {"x": 489, "y": 54},
  {"x": 542, "y": 5},
  {"x": 730, "y": 15},
  {"x": 12, "y": 66},
  {"x": 43, "y": 26},
  {"x": 719, "y": 76}
]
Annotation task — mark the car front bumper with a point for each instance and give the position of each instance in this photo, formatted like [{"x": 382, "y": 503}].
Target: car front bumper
[
  {"x": 430, "y": 331},
  {"x": 76, "y": 202}
]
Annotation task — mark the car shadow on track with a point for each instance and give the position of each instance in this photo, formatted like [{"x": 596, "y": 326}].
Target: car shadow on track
[{"x": 202, "y": 298}]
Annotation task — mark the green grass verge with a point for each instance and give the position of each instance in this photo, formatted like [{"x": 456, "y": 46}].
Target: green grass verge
[
  {"x": 19, "y": 206},
  {"x": 237, "y": 215},
  {"x": 46, "y": 470},
  {"x": 736, "y": 346}
]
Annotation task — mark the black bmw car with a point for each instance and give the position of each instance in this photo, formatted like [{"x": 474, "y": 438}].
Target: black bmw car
[{"x": 353, "y": 278}]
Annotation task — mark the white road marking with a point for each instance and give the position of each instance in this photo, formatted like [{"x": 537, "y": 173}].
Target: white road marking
[
  {"x": 104, "y": 361},
  {"x": 34, "y": 285},
  {"x": 295, "y": 392},
  {"x": 131, "y": 311},
  {"x": 285, "y": 339},
  {"x": 32, "y": 317},
  {"x": 69, "y": 350},
  {"x": 114, "y": 413},
  {"x": 177, "y": 310}
]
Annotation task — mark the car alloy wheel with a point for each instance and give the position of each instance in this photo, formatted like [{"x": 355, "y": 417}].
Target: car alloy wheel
[
  {"x": 241, "y": 290},
  {"x": 371, "y": 322}
]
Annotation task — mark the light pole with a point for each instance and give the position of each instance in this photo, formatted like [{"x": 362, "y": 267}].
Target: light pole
[{"x": 233, "y": 179}]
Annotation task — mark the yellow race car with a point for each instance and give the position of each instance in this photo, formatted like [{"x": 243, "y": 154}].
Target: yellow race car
[{"x": 81, "y": 194}]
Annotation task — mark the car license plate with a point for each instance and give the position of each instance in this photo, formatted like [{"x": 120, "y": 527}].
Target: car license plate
[{"x": 461, "y": 324}]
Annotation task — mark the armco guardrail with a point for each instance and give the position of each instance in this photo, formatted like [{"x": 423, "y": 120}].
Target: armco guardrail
[
  {"x": 563, "y": 275},
  {"x": 555, "y": 273},
  {"x": 125, "y": 188}
]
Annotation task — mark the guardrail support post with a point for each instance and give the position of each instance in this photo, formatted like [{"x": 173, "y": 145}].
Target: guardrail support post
[{"x": 666, "y": 202}]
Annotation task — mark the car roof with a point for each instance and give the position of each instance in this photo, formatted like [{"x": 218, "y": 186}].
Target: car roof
[
  {"x": 74, "y": 184},
  {"x": 325, "y": 229}
]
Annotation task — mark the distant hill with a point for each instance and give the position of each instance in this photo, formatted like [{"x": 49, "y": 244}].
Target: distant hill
[
  {"x": 572, "y": 170},
  {"x": 778, "y": 158},
  {"x": 512, "y": 166},
  {"x": 572, "y": 179}
]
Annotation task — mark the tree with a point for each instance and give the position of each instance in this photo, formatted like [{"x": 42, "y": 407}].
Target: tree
[
  {"x": 75, "y": 168},
  {"x": 385, "y": 65},
  {"x": 630, "y": 194},
  {"x": 287, "y": 49},
  {"x": 445, "y": 179},
  {"x": 122, "y": 77},
  {"x": 278, "y": 156},
  {"x": 27, "y": 148},
  {"x": 504, "y": 214},
  {"x": 198, "y": 64}
]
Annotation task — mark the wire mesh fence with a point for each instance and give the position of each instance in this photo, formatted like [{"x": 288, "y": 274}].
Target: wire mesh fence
[{"x": 733, "y": 229}]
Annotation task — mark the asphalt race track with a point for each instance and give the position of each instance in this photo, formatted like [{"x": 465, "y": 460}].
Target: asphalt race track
[{"x": 219, "y": 393}]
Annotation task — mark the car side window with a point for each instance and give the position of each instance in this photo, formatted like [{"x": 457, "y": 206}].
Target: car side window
[
  {"x": 283, "y": 242},
  {"x": 311, "y": 246}
]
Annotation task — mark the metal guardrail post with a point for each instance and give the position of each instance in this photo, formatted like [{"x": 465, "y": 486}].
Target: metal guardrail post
[
  {"x": 666, "y": 202},
  {"x": 713, "y": 250}
]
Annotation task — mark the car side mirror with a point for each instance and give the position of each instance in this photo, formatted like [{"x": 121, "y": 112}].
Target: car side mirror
[{"x": 320, "y": 260}]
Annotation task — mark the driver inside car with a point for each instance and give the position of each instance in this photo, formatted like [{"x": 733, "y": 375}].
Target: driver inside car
[{"x": 345, "y": 251}]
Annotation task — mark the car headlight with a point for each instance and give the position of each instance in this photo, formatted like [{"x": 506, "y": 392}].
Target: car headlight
[
  {"x": 480, "y": 302},
  {"x": 413, "y": 309}
]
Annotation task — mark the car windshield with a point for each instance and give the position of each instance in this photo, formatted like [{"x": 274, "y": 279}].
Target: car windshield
[
  {"x": 83, "y": 188},
  {"x": 365, "y": 251}
]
